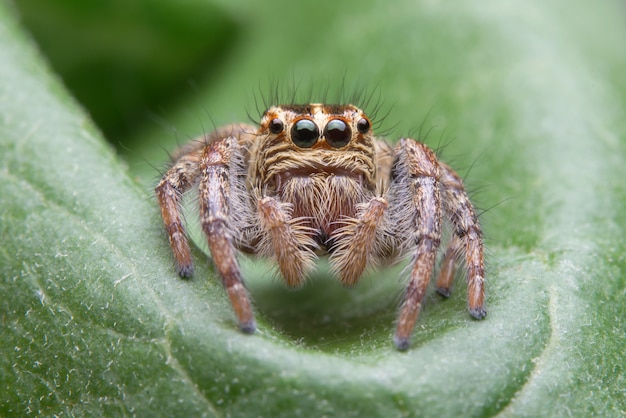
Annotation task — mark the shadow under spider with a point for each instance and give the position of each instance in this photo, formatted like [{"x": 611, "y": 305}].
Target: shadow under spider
[{"x": 323, "y": 314}]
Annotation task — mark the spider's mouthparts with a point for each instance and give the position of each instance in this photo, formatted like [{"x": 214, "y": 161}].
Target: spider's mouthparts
[
  {"x": 322, "y": 169},
  {"x": 317, "y": 172}
]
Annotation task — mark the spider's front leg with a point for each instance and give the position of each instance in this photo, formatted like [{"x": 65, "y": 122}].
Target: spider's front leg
[
  {"x": 417, "y": 208},
  {"x": 214, "y": 194}
]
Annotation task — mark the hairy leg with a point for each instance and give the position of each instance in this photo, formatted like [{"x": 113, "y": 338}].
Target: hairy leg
[
  {"x": 460, "y": 211},
  {"x": 214, "y": 192},
  {"x": 286, "y": 240},
  {"x": 417, "y": 178},
  {"x": 357, "y": 240},
  {"x": 448, "y": 266},
  {"x": 183, "y": 174},
  {"x": 176, "y": 181}
]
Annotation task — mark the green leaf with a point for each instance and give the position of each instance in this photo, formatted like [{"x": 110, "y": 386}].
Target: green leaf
[{"x": 94, "y": 320}]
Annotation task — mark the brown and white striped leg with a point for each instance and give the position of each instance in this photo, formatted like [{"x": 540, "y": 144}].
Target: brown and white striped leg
[
  {"x": 356, "y": 241},
  {"x": 421, "y": 178},
  {"x": 214, "y": 190},
  {"x": 176, "y": 181},
  {"x": 290, "y": 243},
  {"x": 448, "y": 265},
  {"x": 460, "y": 211}
]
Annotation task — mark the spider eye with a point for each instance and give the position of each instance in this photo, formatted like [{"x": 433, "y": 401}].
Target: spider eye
[
  {"x": 337, "y": 133},
  {"x": 305, "y": 133},
  {"x": 276, "y": 126},
  {"x": 363, "y": 125}
]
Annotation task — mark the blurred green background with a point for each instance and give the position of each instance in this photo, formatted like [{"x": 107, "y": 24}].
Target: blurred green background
[
  {"x": 122, "y": 59},
  {"x": 525, "y": 99}
]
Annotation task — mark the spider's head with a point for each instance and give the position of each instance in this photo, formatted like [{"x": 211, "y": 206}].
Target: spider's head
[
  {"x": 300, "y": 140},
  {"x": 317, "y": 126}
]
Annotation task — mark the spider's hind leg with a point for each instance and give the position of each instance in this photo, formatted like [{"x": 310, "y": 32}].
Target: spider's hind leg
[
  {"x": 176, "y": 181},
  {"x": 467, "y": 239},
  {"x": 448, "y": 266}
]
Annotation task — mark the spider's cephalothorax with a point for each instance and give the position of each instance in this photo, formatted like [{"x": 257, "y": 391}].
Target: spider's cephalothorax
[{"x": 311, "y": 180}]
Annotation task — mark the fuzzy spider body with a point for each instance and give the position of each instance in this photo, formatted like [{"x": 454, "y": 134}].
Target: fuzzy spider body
[{"x": 314, "y": 180}]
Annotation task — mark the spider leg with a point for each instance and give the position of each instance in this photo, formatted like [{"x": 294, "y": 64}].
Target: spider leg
[
  {"x": 418, "y": 187},
  {"x": 460, "y": 211},
  {"x": 448, "y": 266},
  {"x": 290, "y": 242},
  {"x": 214, "y": 192},
  {"x": 179, "y": 179},
  {"x": 356, "y": 241},
  {"x": 176, "y": 181}
]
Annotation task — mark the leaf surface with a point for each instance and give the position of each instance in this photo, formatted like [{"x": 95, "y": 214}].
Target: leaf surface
[{"x": 95, "y": 321}]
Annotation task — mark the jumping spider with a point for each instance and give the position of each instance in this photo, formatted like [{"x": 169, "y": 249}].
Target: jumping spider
[{"x": 312, "y": 180}]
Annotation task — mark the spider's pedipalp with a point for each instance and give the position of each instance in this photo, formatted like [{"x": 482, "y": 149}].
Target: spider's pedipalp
[
  {"x": 290, "y": 243},
  {"x": 358, "y": 241}
]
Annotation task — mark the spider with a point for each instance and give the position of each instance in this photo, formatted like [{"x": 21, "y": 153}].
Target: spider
[{"x": 314, "y": 180}]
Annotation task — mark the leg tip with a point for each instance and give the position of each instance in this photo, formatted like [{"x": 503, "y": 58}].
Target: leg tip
[
  {"x": 478, "y": 313},
  {"x": 444, "y": 291},
  {"x": 402, "y": 343},
  {"x": 248, "y": 327},
  {"x": 185, "y": 271}
]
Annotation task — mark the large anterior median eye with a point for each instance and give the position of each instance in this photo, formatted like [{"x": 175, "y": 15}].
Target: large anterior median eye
[
  {"x": 337, "y": 133},
  {"x": 305, "y": 133}
]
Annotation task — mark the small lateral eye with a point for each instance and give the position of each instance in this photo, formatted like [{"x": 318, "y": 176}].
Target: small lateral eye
[
  {"x": 337, "y": 133},
  {"x": 305, "y": 133},
  {"x": 363, "y": 125},
  {"x": 276, "y": 126}
]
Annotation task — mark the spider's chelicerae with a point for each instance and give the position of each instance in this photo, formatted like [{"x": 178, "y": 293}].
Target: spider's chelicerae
[{"x": 314, "y": 179}]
